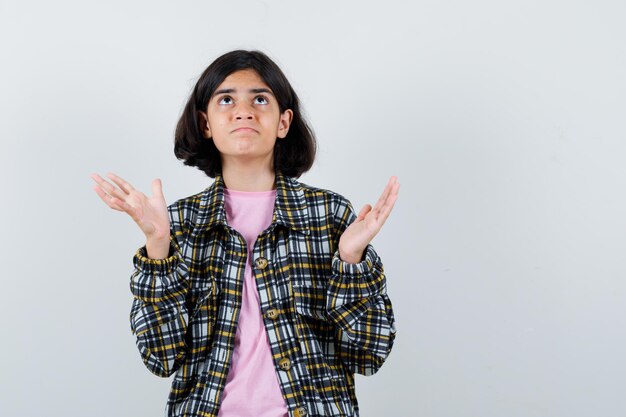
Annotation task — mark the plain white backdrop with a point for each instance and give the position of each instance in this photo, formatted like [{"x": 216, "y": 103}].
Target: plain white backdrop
[{"x": 503, "y": 120}]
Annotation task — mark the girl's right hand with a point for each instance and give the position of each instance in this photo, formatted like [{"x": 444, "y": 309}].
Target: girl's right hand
[{"x": 150, "y": 214}]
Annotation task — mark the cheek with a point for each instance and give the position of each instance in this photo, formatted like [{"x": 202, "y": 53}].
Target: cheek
[{"x": 218, "y": 119}]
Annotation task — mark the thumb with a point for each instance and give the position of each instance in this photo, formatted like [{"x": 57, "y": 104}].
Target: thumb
[
  {"x": 366, "y": 209},
  {"x": 157, "y": 188}
]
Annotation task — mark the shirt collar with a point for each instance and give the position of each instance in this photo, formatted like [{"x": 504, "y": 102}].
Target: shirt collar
[{"x": 290, "y": 206}]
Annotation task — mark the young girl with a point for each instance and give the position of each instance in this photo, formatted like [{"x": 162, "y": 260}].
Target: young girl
[{"x": 261, "y": 293}]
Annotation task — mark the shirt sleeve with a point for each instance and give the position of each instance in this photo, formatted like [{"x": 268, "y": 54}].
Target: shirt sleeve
[
  {"x": 357, "y": 302},
  {"x": 159, "y": 314}
]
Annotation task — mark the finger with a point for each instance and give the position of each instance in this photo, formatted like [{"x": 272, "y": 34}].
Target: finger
[
  {"x": 106, "y": 198},
  {"x": 381, "y": 199},
  {"x": 366, "y": 209},
  {"x": 157, "y": 188},
  {"x": 126, "y": 207},
  {"x": 111, "y": 201},
  {"x": 124, "y": 185},
  {"x": 110, "y": 189},
  {"x": 390, "y": 202},
  {"x": 385, "y": 194}
]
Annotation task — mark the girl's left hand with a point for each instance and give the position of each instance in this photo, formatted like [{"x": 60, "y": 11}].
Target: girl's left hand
[{"x": 368, "y": 223}]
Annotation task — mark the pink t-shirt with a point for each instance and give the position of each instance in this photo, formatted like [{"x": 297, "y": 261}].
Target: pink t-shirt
[{"x": 252, "y": 388}]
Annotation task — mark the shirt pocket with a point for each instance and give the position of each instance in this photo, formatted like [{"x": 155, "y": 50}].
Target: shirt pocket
[
  {"x": 329, "y": 387},
  {"x": 203, "y": 319},
  {"x": 310, "y": 301}
]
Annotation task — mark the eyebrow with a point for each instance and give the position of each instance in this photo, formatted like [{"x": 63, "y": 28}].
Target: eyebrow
[{"x": 252, "y": 90}]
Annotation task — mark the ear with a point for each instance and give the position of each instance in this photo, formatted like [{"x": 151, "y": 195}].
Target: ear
[
  {"x": 203, "y": 122},
  {"x": 284, "y": 123}
]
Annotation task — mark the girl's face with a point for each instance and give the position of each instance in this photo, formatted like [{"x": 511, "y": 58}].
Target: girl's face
[{"x": 244, "y": 120}]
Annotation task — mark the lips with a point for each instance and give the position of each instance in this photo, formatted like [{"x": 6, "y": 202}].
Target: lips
[{"x": 244, "y": 129}]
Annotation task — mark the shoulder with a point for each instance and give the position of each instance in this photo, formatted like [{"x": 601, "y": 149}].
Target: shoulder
[
  {"x": 318, "y": 193},
  {"x": 193, "y": 200},
  {"x": 186, "y": 209},
  {"x": 328, "y": 204}
]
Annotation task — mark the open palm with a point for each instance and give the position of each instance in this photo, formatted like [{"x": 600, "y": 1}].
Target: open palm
[
  {"x": 150, "y": 213},
  {"x": 368, "y": 223}
]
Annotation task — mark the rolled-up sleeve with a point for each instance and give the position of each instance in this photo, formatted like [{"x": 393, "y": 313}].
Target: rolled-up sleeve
[
  {"x": 159, "y": 315},
  {"x": 357, "y": 302}
]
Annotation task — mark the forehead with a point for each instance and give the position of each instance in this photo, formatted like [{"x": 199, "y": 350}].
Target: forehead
[{"x": 242, "y": 79}]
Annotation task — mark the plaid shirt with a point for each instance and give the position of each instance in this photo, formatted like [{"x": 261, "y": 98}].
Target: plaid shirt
[{"x": 325, "y": 318}]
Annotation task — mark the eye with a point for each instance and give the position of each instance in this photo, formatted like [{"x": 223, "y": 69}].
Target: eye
[
  {"x": 263, "y": 99},
  {"x": 225, "y": 100}
]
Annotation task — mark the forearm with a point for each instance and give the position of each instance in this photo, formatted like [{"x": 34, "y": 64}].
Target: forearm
[
  {"x": 159, "y": 315},
  {"x": 358, "y": 304}
]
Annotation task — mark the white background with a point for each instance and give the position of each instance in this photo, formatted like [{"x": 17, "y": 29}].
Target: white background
[{"x": 503, "y": 120}]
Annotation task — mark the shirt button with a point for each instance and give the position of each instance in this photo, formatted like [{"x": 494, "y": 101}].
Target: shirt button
[
  {"x": 272, "y": 313},
  {"x": 260, "y": 262},
  {"x": 300, "y": 412},
  {"x": 284, "y": 364}
]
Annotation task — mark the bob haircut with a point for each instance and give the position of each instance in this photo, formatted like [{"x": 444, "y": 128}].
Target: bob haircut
[{"x": 293, "y": 155}]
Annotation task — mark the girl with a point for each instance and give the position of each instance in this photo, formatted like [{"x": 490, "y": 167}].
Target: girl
[{"x": 261, "y": 293}]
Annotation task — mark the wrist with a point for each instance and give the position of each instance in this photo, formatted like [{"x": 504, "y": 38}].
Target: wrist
[
  {"x": 351, "y": 257},
  {"x": 158, "y": 248}
]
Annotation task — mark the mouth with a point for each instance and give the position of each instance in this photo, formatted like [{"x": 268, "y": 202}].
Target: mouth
[{"x": 244, "y": 129}]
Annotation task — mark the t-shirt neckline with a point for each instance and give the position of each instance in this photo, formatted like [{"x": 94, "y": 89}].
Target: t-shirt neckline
[{"x": 238, "y": 193}]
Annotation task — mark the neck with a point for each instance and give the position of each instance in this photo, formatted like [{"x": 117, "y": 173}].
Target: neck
[{"x": 248, "y": 178}]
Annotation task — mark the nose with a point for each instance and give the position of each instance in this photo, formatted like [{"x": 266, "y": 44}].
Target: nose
[{"x": 244, "y": 111}]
